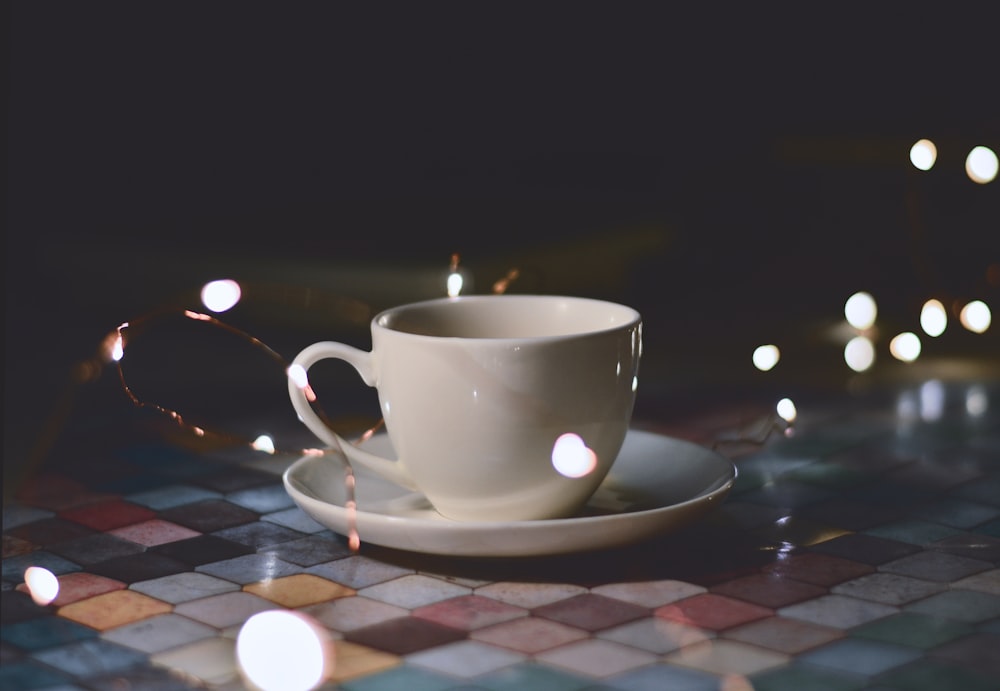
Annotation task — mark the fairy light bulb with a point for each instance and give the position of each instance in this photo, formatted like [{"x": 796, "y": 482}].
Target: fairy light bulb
[
  {"x": 284, "y": 651},
  {"x": 571, "y": 457},
  {"x": 860, "y": 310},
  {"x": 923, "y": 154},
  {"x": 981, "y": 165},
  {"x": 976, "y": 316},
  {"x": 933, "y": 318},
  {"x": 222, "y": 295},
  {"x": 859, "y": 353},
  {"x": 786, "y": 410},
  {"x": 905, "y": 346},
  {"x": 42, "y": 584},
  {"x": 765, "y": 357}
]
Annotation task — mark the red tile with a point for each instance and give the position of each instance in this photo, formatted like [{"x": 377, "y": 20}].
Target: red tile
[
  {"x": 154, "y": 532},
  {"x": 469, "y": 612},
  {"x": 711, "y": 611},
  {"x": 80, "y": 586},
  {"x": 818, "y": 569},
  {"x": 769, "y": 590},
  {"x": 108, "y": 515},
  {"x": 591, "y": 612}
]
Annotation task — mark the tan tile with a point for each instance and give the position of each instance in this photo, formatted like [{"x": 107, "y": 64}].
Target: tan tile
[
  {"x": 727, "y": 657},
  {"x": 352, "y": 660},
  {"x": 113, "y": 609},
  {"x": 298, "y": 590}
]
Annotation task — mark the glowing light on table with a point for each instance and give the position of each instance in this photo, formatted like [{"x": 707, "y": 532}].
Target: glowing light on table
[
  {"x": 923, "y": 154},
  {"x": 981, "y": 165},
  {"x": 786, "y": 410},
  {"x": 42, "y": 584},
  {"x": 859, "y": 353},
  {"x": 933, "y": 318},
  {"x": 571, "y": 457},
  {"x": 455, "y": 282},
  {"x": 860, "y": 310},
  {"x": 263, "y": 443},
  {"x": 286, "y": 651},
  {"x": 976, "y": 316},
  {"x": 765, "y": 357},
  {"x": 905, "y": 346},
  {"x": 976, "y": 401},
  {"x": 222, "y": 295}
]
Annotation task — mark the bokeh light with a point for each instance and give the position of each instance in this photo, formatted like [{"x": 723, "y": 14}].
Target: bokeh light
[
  {"x": 766, "y": 357},
  {"x": 455, "y": 283},
  {"x": 923, "y": 154},
  {"x": 859, "y": 353},
  {"x": 222, "y": 295},
  {"x": 571, "y": 457},
  {"x": 42, "y": 584},
  {"x": 860, "y": 310},
  {"x": 976, "y": 316},
  {"x": 976, "y": 401},
  {"x": 264, "y": 443},
  {"x": 284, "y": 651},
  {"x": 981, "y": 165},
  {"x": 786, "y": 410},
  {"x": 905, "y": 346},
  {"x": 933, "y": 318}
]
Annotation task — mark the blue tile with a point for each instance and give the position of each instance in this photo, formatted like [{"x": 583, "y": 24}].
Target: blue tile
[
  {"x": 250, "y": 568},
  {"x": 262, "y": 499},
  {"x": 531, "y": 676},
  {"x": 403, "y": 678},
  {"x": 45, "y": 632},
  {"x": 14, "y": 568},
  {"x": 26, "y": 675},
  {"x": 170, "y": 496},
  {"x": 958, "y": 514},
  {"x": 15, "y": 515},
  {"x": 90, "y": 658},
  {"x": 861, "y": 656},
  {"x": 659, "y": 677},
  {"x": 914, "y": 532}
]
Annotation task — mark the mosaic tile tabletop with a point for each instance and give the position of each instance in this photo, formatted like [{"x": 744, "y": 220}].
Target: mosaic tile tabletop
[{"x": 860, "y": 552}]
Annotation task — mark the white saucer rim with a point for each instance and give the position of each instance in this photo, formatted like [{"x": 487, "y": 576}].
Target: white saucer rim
[{"x": 718, "y": 489}]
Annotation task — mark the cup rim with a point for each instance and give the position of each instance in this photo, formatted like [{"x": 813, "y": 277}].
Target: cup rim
[{"x": 634, "y": 317}]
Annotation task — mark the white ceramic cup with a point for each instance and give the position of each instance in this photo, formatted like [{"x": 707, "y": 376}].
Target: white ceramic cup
[{"x": 499, "y": 407}]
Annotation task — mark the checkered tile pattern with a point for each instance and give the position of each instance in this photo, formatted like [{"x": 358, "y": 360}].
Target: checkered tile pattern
[{"x": 860, "y": 552}]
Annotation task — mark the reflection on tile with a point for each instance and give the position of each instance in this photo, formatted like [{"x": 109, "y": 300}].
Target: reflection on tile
[
  {"x": 249, "y": 568},
  {"x": 469, "y": 612},
  {"x": 655, "y": 635},
  {"x": 309, "y": 550},
  {"x": 265, "y": 499},
  {"x": 355, "y": 660},
  {"x": 349, "y": 613},
  {"x": 358, "y": 571},
  {"x": 296, "y": 519},
  {"x": 259, "y": 534}
]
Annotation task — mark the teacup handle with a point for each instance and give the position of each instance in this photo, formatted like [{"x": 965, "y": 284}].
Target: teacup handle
[{"x": 361, "y": 361}]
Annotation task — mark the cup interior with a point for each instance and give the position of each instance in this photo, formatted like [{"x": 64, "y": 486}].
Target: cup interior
[{"x": 507, "y": 317}]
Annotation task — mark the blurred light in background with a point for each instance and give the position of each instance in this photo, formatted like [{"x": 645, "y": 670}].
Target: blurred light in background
[
  {"x": 859, "y": 353},
  {"x": 981, "y": 165},
  {"x": 455, "y": 283},
  {"x": 765, "y": 357},
  {"x": 786, "y": 410},
  {"x": 976, "y": 316},
  {"x": 263, "y": 443},
  {"x": 220, "y": 296},
  {"x": 571, "y": 457},
  {"x": 932, "y": 398},
  {"x": 923, "y": 154},
  {"x": 905, "y": 346},
  {"x": 42, "y": 584},
  {"x": 976, "y": 401},
  {"x": 860, "y": 310},
  {"x": 933, "y": 318},
  {"x": 284, "y": 651}
]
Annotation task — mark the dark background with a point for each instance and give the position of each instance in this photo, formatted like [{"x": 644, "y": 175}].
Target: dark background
[{"x": 734, "y": 173}]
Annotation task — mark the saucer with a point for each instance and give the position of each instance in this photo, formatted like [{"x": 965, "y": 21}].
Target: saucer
[{"x": 656, "y": 485}]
